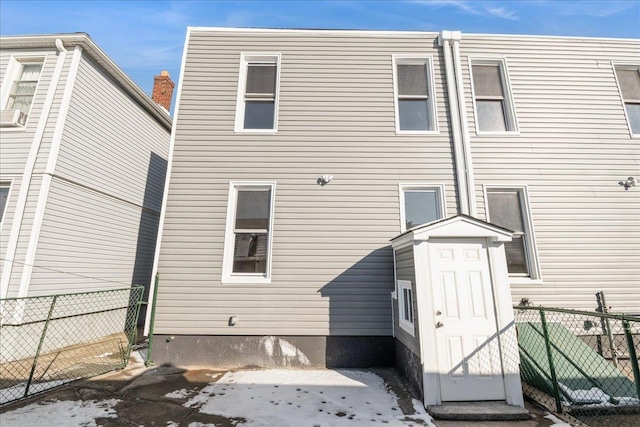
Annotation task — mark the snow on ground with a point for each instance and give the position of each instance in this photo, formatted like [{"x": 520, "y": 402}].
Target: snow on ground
[
  {"x": 322, "y": 398},
  {"x": 61, "y": 413},
  {"x": 17, "y": 391},
  {"x": 557, "y": 422}
]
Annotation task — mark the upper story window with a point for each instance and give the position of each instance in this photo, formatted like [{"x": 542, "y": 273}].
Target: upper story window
[
  {"x": 419, "y": 204},
  {"x": 4, "y": 196},
  {"x": 257, "y": 105},
  {"x": 247, "y": 250},
  {"x": 508, "y": 208},
  {"x": 492, "y": 97},
  {"x": 22, "y": 81},
  {"x": 414, "y": 95},
  {"x": 629, "y": 81}
]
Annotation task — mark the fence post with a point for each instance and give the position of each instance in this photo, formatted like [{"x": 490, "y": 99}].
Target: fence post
[
  {"x": 632, "y": 355},
  {"x": 149, "y": 361},
  {"x": 35, "y": 358},
  {"x": 552, "y": 368}
]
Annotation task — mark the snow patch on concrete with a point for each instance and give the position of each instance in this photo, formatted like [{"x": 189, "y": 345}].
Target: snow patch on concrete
[{"x": 61, "y": 413}]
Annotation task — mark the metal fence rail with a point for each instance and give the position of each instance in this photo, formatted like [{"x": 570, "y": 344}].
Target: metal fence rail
[
  {"x": 585, "y": 361},
  {"x": 48, "y": 341}
]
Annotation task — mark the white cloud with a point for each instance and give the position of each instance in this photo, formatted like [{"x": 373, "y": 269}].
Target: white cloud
[
  {"x": 501, "y": 12},
  {"x": 473, "y": 8}
]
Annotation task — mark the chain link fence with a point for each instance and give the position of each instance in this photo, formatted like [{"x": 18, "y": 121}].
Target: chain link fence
[
  {"x": 48, "y": 341},
  {"x": 585, "y": 364}
]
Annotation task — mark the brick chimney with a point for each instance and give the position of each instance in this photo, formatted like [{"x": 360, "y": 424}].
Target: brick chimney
[{"x": 163, "y": 90}]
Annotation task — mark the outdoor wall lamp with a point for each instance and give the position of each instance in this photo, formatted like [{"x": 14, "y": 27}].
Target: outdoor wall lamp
[
  {"x": 324, "y": 180},
  {"x": 630, "y": 182}
]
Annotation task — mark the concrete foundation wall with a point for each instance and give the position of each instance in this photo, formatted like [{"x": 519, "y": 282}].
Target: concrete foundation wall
[
  {"x": 409, "y": 366},
  {"x": 273, "y": 351}
]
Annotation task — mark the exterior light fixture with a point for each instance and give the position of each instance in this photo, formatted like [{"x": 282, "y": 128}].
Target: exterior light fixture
[
  {"x": 630, "y": 182},
  {"x": 324, "y": 180}
]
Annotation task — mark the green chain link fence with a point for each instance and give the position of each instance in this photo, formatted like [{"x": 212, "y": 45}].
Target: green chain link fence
[
  {"x": 48, "y": 341},
  {"x": 584, "y": 363}
]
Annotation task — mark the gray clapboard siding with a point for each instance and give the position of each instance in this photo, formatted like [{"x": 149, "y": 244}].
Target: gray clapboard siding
[
  {"x": 573, "y": 148},
  {"x": 405, "y": 270},
  {"x": 110, "y": 143},
  {"x": 99, "y": 236},
  {"x": 330, "y": 244}
]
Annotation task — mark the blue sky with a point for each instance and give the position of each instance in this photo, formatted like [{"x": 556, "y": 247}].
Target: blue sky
[{"x": 144, "y": 37}]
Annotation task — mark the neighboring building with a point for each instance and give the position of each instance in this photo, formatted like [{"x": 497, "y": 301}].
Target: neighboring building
[
  {"x": 298, "y": 155},
  {"x": 82, "y": 168}
]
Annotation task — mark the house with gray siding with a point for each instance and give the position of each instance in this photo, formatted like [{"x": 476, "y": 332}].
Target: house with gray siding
[
  {"x": 366, "y": 198},
  {"x": 83, "y": 154}
]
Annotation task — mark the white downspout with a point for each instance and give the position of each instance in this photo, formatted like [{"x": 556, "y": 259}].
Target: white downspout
[
  {"x": 461, "y": 176},
  {"x": 466, "y": 145},
  {"x": 27, "y": 175}
]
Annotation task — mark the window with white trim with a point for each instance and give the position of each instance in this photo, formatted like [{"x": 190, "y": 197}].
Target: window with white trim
[
  {"x": 23, "y": 87},
  {"x": 508, "y": 208},
  {"x": 414, "y": 95},
  {"x": 492, "y": 98},
  {"x": 629, "y": 81},
  {"x": 257, "y": 105},
  {"x": 4, "y": 197},
  {"x": 248, "y": 237},
  {"x": 420, "y": 204},
  {"x": 405, "y": 306}
]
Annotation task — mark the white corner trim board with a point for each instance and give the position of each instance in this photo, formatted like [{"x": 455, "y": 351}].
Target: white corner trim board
[{"x": 46, "y": 178}]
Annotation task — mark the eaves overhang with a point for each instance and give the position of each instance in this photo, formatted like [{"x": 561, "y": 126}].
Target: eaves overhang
[{"x": 89, "y": 47}]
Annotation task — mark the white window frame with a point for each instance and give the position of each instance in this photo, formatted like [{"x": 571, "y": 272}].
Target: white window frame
[
  {"x": 11, "y": 74},
  {"x": 625, "y": 66},
  {"x": 511, "y": 120},
  {"x": 247, "y": 58},
  {"x": 427, "y": 61},
  {"x": 228, "y": 276},
  {"x": 405, "y": 324},
  {"x": 530, "y": 247},
  {"x": 5, "y": 183},
  {"x": 418, "y": 186}
]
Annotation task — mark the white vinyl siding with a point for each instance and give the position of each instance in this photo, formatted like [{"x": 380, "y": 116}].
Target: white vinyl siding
[
  {"x": 332, "y": 265},
  {"x": 629, "y": 82},
  {"x": 572, "y": 150},
  {"x": 493, "y": 103},
  {"x": 247, "y": 257},
  {"x": 420, "y": 203},
  {"x": 415, "y": 103},
  {"x": 257, "y": 105}
]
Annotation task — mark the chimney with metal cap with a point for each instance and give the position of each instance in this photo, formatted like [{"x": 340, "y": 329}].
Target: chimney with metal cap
[{"x": 163, "y": 90}]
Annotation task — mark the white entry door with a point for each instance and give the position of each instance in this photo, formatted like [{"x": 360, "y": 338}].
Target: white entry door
[{"x": 468, "y": 351}]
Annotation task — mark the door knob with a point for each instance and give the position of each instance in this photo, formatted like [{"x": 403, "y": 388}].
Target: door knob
[{"x": 439, "y": 324}]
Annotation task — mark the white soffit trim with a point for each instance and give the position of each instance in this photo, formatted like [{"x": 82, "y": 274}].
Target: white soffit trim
[
  {"x": 433, "y": 34},
  {"x": 46, "y": 178},
  {"x": 27, "y": 174},
  {"x": 165, "y": 195}
]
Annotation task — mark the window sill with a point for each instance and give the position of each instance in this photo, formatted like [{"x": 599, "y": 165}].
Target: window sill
[
  {"x": 407, "y": 327},
  {"x": 524, "y": 281},
  {"x": 256, "y": 131},
  {"x": 13, "y": 129},
  {"x": 505, "y": 133},
  {"x": 417, "y": 132},
  {"x": 246, "y": 280}
]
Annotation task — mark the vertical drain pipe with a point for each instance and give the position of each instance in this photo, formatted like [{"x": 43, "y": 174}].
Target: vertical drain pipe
[
  {"x": 444, "y": 40},
  {"x": 465, "y": 137}
]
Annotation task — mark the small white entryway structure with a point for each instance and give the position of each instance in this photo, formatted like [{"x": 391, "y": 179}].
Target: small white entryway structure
[{"x": 463, "y": 321}]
